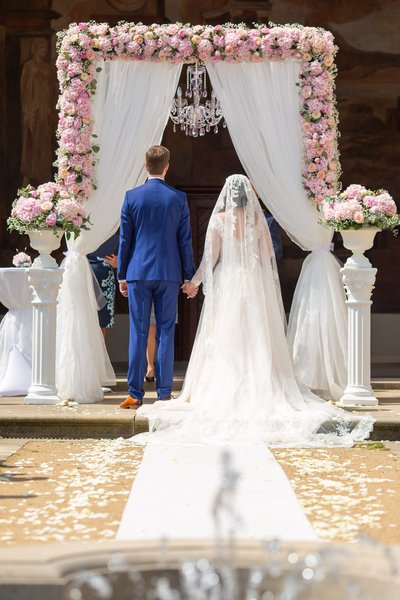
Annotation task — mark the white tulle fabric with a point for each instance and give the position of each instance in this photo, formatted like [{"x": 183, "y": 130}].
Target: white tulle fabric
[
  {"x": 130, "y": 111},
  {"x": 15, "y": 332},
  {"x": 240, "y": 385},
  {"x": 260, "y": 102}
]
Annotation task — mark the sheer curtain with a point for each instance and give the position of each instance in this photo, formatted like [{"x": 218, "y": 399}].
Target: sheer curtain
[
  {"x": 261, "y": 106},
  {"x": 130, "y": 109}
]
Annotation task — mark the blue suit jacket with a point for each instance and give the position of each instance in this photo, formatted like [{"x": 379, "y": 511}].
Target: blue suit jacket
[
  {"x": 155, "y": 237},
  {"x": 275, "y": 235}
]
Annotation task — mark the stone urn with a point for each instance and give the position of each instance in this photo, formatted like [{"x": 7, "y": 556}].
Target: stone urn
[
  {"x": 358, "y": 241},
  {"x": 45, "y": 241}
]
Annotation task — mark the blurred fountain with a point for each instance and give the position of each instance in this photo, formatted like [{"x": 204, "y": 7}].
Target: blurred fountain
[{"x": 278, "y": 572}]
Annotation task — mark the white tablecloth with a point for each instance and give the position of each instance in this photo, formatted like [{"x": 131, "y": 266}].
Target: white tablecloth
[{"x": 15, "y": 333}]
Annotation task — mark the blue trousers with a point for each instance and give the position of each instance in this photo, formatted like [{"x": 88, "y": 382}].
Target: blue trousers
[{"x": 141, "y": 295}]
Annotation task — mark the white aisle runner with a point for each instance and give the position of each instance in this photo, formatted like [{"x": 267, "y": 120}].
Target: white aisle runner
[{"x": 173, "y": 494}]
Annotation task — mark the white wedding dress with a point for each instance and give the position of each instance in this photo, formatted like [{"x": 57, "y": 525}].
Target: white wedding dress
[{"x": 240, "y": 385}]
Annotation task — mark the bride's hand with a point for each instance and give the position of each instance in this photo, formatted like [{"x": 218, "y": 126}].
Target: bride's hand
[{"x": 190, "y": 289}]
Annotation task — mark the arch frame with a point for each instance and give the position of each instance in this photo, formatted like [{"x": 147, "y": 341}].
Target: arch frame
[{"x": 83, "y": 45}]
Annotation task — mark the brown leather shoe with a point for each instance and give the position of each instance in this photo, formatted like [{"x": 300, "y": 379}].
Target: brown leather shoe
[{"x": 131, "y": 403}]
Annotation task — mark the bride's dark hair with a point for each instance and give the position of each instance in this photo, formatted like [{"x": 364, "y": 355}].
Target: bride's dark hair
[
  {"x": 239, "y": 196},
  {"x": 240, "y": 199}
]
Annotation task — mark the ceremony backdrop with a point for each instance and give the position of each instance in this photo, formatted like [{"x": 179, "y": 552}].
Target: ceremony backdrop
[
  {"x": 275, "y": 85},
  {"x": 353, "y": 115}
]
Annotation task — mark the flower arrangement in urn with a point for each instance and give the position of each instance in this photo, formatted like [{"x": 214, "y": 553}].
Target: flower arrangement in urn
[
  {"x": 357, "y": 207},
  {"x": 22, "y": 260},
  {"x": 49, "y": 206}
]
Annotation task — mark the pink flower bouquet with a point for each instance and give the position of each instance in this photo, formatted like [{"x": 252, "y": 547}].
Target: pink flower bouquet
[
  {"x": 358, "y": 207},
  {"x": 22, "y": 260},
  {"x": 50, "y": 206}
]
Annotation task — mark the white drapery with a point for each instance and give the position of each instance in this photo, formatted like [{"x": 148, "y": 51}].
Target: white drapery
[
  {"x": 130, "y": 110},
  {"x": 260, "y": 103}
]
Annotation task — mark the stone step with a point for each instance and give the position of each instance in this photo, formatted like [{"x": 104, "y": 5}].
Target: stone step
[
  {"x": 110, "y": 422},
  {"x": 388, "y": 383},
  {"x": 65, "y": 428},
  {"x": 106, "y": 420}
]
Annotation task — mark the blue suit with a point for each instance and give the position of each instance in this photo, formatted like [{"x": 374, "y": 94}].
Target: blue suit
[
  {"x": 275, "y": 234},
  {"x": 155, "y": 253}
]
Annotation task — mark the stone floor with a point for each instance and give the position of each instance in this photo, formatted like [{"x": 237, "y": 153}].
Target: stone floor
[
  {"x": 70, "y": 491},
  {"x": 76, "y": 490}
]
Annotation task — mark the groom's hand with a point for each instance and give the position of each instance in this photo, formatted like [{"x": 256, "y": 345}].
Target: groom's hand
[
  {"x": 190, "y": 289},
  {"x": 123, "y": 288}
]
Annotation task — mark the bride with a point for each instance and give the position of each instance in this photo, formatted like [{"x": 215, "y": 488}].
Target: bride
[{"x": 240, "y": 384}]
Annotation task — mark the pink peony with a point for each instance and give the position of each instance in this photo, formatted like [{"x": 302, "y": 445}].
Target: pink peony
[
  {"x": 185, "y": 48},
  {"x": 172, "y": 29},
  {"x": 76, "y": 221},
  {"x": 51, "y": 219},
  {"x": 328, "y": 212},
  {"x": 355, "y": 191}
]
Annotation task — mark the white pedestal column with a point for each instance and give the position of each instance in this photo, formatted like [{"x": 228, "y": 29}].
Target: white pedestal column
[
  {"x": 359, "y": 278},
  {"x": 45, "y": 284}
]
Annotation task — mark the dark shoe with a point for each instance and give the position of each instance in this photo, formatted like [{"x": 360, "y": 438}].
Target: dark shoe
[
  {"x": 149, "y": 379},
  {"x": 169, "y": 398},
  {"x": 131, "y": 403}
]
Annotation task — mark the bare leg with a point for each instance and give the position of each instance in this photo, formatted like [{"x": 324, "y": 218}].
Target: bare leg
[
  {"x": 151, "y": 351},
  {"x": 103, "y": 331}
]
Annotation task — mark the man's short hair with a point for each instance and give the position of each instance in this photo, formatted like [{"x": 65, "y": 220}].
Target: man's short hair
[{"x": 157, "y": 158}]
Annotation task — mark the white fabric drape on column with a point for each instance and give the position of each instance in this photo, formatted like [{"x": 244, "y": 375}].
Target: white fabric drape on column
[
  {"x": 260, "y": 103},
  {"x": 130, "y": 110}
]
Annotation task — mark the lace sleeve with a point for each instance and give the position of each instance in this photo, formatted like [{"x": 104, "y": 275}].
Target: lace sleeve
[{"x": 212, "y": 251}]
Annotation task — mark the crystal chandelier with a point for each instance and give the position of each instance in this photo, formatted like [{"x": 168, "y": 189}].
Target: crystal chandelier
[{"x": 196, "y": 119}]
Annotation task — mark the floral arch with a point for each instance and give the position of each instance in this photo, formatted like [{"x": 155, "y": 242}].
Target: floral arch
[
  {"x": 86, "y": 53},
  {"x": 80, "y": 46}
]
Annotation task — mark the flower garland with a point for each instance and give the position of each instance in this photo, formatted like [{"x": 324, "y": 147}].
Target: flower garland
[{"x": 81, "y": 45}]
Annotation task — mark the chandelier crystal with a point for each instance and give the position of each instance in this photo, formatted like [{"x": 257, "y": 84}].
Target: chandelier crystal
[{"x": 196, "y": 118}]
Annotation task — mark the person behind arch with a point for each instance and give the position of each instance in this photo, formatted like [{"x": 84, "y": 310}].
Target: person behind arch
[
  {"x": 103, "y": 262},
  {"x": 275, "y": 233}
]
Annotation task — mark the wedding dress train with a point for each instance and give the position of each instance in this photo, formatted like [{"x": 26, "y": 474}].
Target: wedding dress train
[{"x": 240, "y": 385}]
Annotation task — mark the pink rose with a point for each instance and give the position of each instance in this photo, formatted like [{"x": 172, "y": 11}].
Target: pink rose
[
  {"x": 358, "y": 217},
  {"x": 46, "y": 205},
  {"x": 172, "y": 29},
  {"x": 328, "y": 61}
]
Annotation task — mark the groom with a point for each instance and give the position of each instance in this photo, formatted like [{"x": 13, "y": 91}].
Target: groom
[{"x": 155, "y": 250}]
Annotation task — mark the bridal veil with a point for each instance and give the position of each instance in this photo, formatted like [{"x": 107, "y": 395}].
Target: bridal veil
[{"x": 240, "y": 385}]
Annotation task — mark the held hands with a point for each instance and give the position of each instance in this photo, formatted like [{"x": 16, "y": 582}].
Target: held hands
[
  {"x": 123, "y": 288},
  {"x": 190, "y": 289}
]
